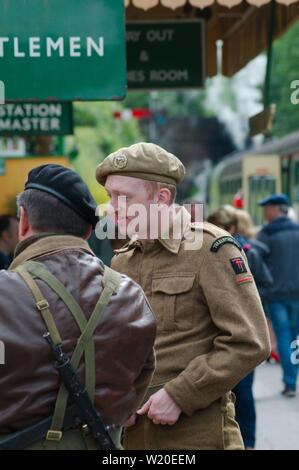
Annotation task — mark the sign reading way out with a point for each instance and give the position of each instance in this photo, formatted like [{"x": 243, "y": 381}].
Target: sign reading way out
[
  {"x": 166, "y": 54},
  {"x": 36, "y": 119},
  {"x": 62, "y": 50}
]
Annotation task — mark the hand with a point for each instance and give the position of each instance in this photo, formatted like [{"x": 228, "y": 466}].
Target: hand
[
  {"x": 161, "y": 408},
  {"x": 130, "y": 421}
]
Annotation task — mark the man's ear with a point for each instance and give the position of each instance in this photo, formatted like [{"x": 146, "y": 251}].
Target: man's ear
[
  {"x": 164, "y": 196},
  {"x": 23, "y": 224}
]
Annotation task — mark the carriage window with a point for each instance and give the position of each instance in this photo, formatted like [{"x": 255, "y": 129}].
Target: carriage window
[{"x": 259, "y": 187}]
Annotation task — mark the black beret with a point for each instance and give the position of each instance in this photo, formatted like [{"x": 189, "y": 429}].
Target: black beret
[{"x": 67, "y": 186}]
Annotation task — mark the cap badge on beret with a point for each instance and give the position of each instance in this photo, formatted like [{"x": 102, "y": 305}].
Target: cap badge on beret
[{"x": 120, "y": 161}]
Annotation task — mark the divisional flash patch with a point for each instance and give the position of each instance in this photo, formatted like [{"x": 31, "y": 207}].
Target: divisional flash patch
[
  {"x": 238, "y": 265},
  {"x": 223, "y": 241},
  {"x": 243, "y": 280}
]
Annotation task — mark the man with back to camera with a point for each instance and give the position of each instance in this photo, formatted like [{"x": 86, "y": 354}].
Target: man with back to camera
[
  {"x": 56, "y": 283},
  {"x": 211, "y": 325},
  {"x": 281, "y": 235}
]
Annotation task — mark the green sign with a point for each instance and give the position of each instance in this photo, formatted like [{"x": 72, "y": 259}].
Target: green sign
[
  {"x": 62, "y": 49},
  {"x": 165, "y": 54},
  {"x": 36, "y": 119}
]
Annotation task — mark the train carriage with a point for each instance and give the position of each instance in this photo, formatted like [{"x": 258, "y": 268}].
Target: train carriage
[{"x": 258, "y": 172}]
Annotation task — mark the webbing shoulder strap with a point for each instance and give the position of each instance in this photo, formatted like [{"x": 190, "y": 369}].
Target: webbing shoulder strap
[
  {"x": 38, "y": 271},
  {"x": 111, "y": 281},
  {"x": 41, "y": 304}
]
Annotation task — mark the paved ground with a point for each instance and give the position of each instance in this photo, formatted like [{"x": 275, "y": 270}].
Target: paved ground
[{"x": 277, "y": 417}]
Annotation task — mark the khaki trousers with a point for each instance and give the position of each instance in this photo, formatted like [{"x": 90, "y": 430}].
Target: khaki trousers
[{"x": 212, "y": 428}]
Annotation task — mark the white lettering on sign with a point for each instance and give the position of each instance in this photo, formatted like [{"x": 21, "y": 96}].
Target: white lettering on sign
[
  {"x": 133, "y": 36},
  {"x": 17, "y": 51},
  {"x": 136, "y": 76},
  {"x": 75, "y": 47},
  {"x": 31, "y": 110},
  {"x": 92, "y": 46},
  {"x": 169, "y": 75},
  {"x": 160, "y": 35},
  {"x": 29, "y": 124},
  {"x": 28, "y": 117},
  {"x": 36, "y": 47},
  {"x": 54, "y": 45},
  {"x": 2, "y": 41}
]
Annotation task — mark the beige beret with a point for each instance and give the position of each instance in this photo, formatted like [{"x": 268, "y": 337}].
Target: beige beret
[{"x": 144, "y": 161}]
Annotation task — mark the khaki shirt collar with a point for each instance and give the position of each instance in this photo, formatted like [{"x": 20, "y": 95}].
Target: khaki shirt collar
[
  {"x": 181, "y": 223},
  {"x": 171, "y": 241}
]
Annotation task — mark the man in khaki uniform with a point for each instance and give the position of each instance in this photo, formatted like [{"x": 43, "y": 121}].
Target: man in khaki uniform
[{"x": 211, "y": 326}]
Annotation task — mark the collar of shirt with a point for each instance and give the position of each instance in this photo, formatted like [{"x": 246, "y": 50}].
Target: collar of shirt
[
  {"x": 171, "y": 240},
  {"x": 180, "y": 225}
]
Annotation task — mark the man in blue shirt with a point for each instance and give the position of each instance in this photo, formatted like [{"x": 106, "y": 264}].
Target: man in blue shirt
[{"x": 281, "y": 235}]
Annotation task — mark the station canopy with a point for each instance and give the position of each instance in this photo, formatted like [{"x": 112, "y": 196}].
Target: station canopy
[{"x": 242, "y": 25}]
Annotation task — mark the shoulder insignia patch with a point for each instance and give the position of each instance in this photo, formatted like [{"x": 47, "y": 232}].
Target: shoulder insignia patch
[
  {"x": 223, "y": 241},
  {"x": 243, "y": 280},
  {"x": 238, "y": 265}
]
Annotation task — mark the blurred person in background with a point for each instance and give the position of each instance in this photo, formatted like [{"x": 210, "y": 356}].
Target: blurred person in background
[
  {"x": 281, "y": 235},
  {"x": 238, "y": 223},
  {"x": 261, "y": 272},
  {"x": 257, "y": 253},
  {"x": 8, "y": 239}
]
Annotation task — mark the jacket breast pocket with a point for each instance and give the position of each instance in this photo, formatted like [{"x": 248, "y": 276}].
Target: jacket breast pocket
[{"x": 172, "y": 301}]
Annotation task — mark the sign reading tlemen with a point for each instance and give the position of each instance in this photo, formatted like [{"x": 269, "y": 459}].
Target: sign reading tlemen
[
  {"x": 165, "y": 54},
  {"x": 19, "y": 119},
  {"x": 62, "y": 50}
]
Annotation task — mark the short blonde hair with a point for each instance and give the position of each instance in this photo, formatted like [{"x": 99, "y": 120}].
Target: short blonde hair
[
  {"x": 153, "y": 186},
  {"x": 244, "y": 223},
  {"x": 224, "y": 217}
]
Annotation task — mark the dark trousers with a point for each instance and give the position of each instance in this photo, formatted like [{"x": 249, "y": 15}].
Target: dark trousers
[
  {"x": 285, "y": 320},
  {"x": 245, "y": 410}
]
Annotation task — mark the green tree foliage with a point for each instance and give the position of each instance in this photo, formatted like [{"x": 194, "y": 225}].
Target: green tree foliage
[
  {"x": 137, "y": 99},
  {"x": 98, "y": 133},
  {"x": 176, "y": 103},
  {"x": 285, "y": 70}
]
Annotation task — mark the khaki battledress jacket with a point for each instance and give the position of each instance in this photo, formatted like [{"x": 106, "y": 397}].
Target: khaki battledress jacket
[{"x": 211, "y": 333}]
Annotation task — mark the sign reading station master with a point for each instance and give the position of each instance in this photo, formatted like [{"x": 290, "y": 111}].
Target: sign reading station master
[
  {"x": 19, "y": 119},
  {"x": 62, "y": 50},
  {"x": 165, "y": 54}
]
